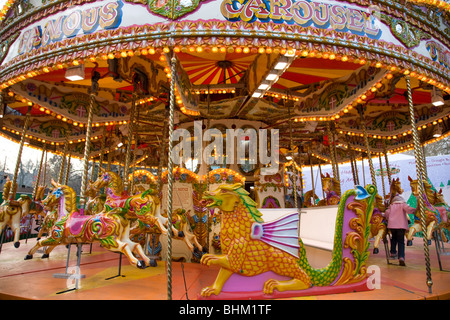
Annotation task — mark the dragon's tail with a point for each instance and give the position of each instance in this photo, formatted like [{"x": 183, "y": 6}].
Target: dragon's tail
[{"x": 327, "y": 275}]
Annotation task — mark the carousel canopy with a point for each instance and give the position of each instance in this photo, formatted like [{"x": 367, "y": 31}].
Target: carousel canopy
[{"x": 307, "y": 68}]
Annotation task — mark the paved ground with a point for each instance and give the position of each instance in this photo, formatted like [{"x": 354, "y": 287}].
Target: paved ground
[{"x": 34, "y": 279}]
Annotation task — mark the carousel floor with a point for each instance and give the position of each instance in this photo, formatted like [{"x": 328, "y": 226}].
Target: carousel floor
[{"x": 34, "y": 279}]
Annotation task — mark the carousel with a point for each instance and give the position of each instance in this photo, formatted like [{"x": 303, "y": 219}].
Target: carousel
[{"x": 197, "y": 124}]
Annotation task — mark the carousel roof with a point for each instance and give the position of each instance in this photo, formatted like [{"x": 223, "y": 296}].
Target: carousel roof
[{"x": 298, "y": 90}]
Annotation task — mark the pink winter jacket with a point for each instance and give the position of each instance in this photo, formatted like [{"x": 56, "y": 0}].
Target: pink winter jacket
[{"x": 396, "y": 213}]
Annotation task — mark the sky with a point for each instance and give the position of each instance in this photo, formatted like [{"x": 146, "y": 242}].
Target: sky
[{"x": 9, "y": 151}]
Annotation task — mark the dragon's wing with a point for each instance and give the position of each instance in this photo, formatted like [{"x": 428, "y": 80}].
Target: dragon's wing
[{"x": 281, "y": 233}]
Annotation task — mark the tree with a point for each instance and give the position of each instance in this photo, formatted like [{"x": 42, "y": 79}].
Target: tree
[{"x": 441, "y": 147}]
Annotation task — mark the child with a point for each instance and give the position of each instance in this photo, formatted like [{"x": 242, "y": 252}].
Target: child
[{"x": 397, "y": 218}]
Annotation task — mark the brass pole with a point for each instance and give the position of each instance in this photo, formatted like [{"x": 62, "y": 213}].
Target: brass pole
[
  {"x": 419, "y": 167},
  {"x": 294, "y": 167},
  {"x": 87, "y": 145},
  {"x": 129, "y": 144},
  {"x": 92, "y": 169},
  {"x": 102, "y": 146},
  {"x": 388, "y": 169},
  {"x": 162, "y": 156},
  {"x": 424, "y": 164},
  {"x": 363, "y": 170},
  {"x": 320, "y": 172},
  {"x": 312, "y": 179},
  {"x": 63, "y": 160},
  {"x": 19, "y": 156},
  {"x": 382, "y": 176},
  {"x": 366, "y": 140},
  {"x": 170, "y": 176},
  {"x": 69, "y": 157},
  {"x": 33, "y": 196},
  {"x": 352, "y": 162},
  {"x": 333, "y": 159},
  {"x": 335, "y": 155}
]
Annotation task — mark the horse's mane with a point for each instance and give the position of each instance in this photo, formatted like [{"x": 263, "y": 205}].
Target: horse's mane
[
  {"x": 7, "y": 189},
  {"x": 379, "y": 203},
  {"x": 428, "y": 191},
  {"x": 427, "y": 186},
  {"x": 336, "y": 185},
  {"x": 116, "y": 182},
  {"x": 70, "y": 198},
  {"x": 393, "y": 189},
  {"x": 247, "y": 201}
]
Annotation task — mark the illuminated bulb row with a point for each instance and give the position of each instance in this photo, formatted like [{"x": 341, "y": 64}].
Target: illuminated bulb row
[
  {"x": 145, "y": 100},
  {"x": 439, "y": 3},
  {"x": 220, "y": 91},
  {"x": 142, "y": 172},
  {"x": 221, "y": 49},
  {"x": 5, "y": 9},
  {"x": 318, "y": 156},
  {"x": 226, "y": 172},
  {"x": 64, "y": 118},
  {"x": 281, "y": 96},
  {"x": 142, "y": 159},
  {"x": 56, "y": 152},
  {"x": 405, "y": 133},
  {"x": 178, "y": 99},
  {"x": 79, "y": 124},
  {"x": 184, "y": 171},
  {"x": 305, "y": 119},
  {"x": 361, "y": 99},
  {"x": 29, "y": 136}
]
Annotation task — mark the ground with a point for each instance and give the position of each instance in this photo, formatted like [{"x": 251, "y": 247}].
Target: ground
[{"x": 33, "y": 279}]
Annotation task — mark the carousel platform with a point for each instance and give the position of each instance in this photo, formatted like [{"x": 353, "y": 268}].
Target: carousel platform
[{"x": 102, "y": 280}]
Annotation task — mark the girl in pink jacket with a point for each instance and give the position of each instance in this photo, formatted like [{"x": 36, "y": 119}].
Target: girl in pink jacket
[{"x": 397, "y": 218}]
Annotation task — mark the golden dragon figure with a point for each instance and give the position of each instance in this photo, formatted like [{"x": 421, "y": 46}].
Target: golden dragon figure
[{"x": 251, "y": 246}]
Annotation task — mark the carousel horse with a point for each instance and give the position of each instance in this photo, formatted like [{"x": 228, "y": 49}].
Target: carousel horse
[
  {"x": 36, "y": 208},
  {"x": 310, "y": 199},
  {"x": 181, "y": 224},
  {"x": 378, "y": 227},
  {"x": 12, "y": 211},
  {"x": 444, "y": 210},
  {"x": 96, "y": 202},
  {"x": 116, "y": 196},
  {"x": 432, "y": 215},
  {"x": 332, "y": 188},
  {"x": 51, "y": 214},
  {"x": 378, "y": 223},
  {"x": 110, "y": 229}
]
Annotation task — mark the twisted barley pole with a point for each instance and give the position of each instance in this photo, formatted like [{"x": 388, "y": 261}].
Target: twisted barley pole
[
  {"x": 170, "y": 177},
  {"x": 63, "y": 159},
  {"x": 33, "y": 196},
  {"x": 68, "y": 169},
  {"x": 333, "y": 158},
  {"x": 129, "y": 143},
  {"x": 19, "y": 156},
  {"x": 388, "y": 169},
  {"x": 382, "y": 176},
  {"x": 419, "y": 167},
  {"x": 294, "y": 167},
  {"x": 369, "y": 155},
  {"x": 87, "y": 145}
]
